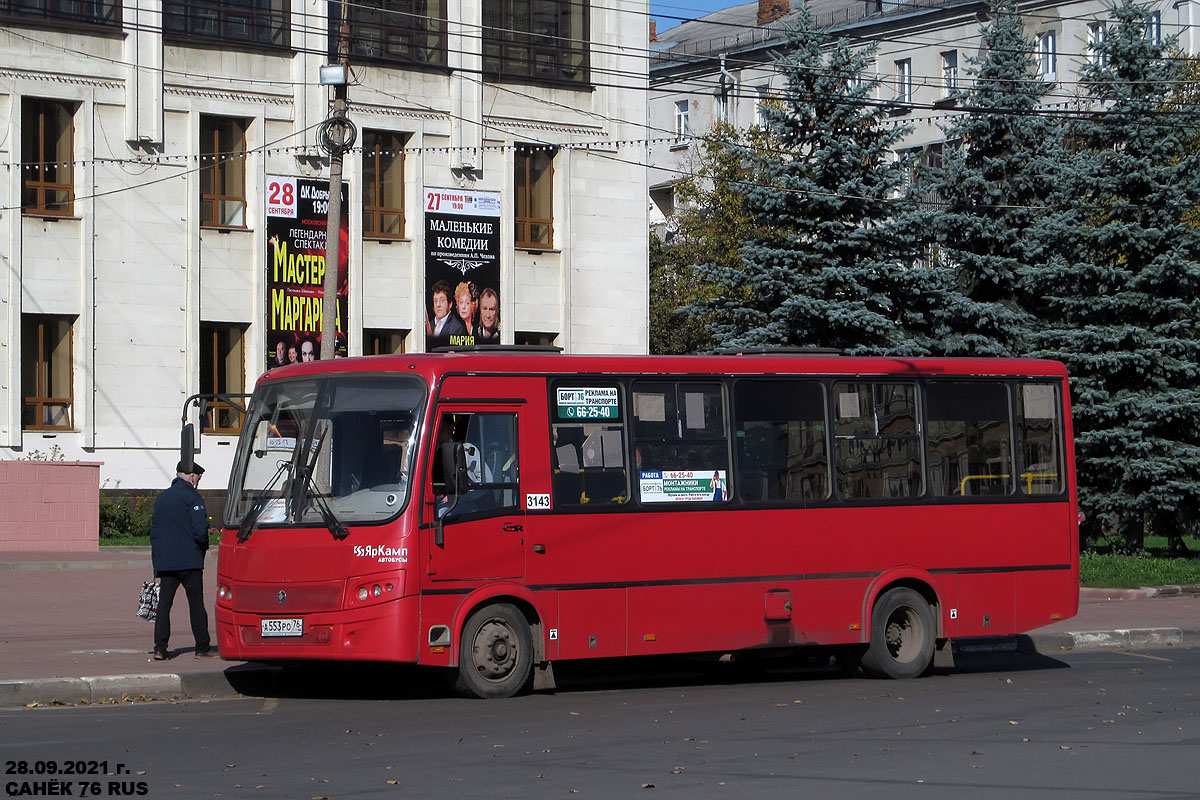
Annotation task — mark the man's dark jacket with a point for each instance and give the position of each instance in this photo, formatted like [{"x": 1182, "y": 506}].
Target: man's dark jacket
[{"x": 179, "y": 532}]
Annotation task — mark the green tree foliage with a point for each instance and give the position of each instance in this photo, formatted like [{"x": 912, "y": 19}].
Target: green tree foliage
[
  {"x": 709, "y": 227},
  {"x": 1119, "y": 291},
  {"x": 827, "y": 264},
  {"x": 1000, "y": 164}
]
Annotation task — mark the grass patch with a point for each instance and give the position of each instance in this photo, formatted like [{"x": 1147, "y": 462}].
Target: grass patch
[{"x": 1110, "y": 571}]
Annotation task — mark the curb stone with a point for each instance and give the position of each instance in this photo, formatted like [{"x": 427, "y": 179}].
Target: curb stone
[{"x": 231, "y": 682}]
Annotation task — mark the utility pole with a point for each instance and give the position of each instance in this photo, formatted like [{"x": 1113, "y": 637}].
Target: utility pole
[{"x": 337, "y": 134}]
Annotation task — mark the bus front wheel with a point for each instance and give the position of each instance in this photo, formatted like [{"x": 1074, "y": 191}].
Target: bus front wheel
[
  {"x": 902, "y": 636},
  {"x": 496, "y": 653}
]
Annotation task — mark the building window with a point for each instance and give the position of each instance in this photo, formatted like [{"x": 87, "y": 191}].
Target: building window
[
  {"x": 534, "y": 183},
  {"x": 384, "y": 342},
  {"x": 222, "y": 172},
  {"x": 383, "y": 184},
  {"x": 46, "y": 379},
  {"x": 536, "y": 40},
  {"x": 409, "y": 32},
  {"x": 93, "y": 12},
  {"x": 904, "y": 81},
  {"x": 222, "y": 371},
  {"x": 1154, "y": 28},
  {"x": 721, "y": 107},
  {"x": 534, "y": 339},
  {"x": 260, "y": 22},
  {"x": 949, "y": 73},
  {"x": 1047, "y": 55},
  {"x": 762, "y": 97},
  {"x": 683, "y": 126},
  {"x": 47, "y": 152},
  {"x": 1097, "y": 33}
]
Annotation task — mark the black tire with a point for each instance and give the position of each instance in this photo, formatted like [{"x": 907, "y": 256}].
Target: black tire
[
  {"x": 495, "y": 655},
  {"x": 903, "y": 633}
]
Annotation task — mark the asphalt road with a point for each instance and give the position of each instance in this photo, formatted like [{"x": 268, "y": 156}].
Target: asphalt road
[{"x": 1088, "y": 724}]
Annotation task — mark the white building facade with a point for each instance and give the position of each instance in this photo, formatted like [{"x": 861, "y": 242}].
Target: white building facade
[
  {"x": 719, "y": 66},
  {"x": 137, "y": 143}
]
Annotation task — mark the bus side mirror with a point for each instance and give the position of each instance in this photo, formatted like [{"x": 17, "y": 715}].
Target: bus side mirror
[{"x": 187, "y": 448}]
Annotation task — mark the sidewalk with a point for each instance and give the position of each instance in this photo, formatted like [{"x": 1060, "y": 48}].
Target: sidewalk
[{"x": 69, "y": 631}]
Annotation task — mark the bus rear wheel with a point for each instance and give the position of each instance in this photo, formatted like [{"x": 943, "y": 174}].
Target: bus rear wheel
[
  {"x": 902, "y": 636},
  {"x": 496, "y": 653}
]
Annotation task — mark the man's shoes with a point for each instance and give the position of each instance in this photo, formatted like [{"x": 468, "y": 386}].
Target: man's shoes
[
  {"x": 160, "y": 655},
  {"x": 210, "y": 653}
]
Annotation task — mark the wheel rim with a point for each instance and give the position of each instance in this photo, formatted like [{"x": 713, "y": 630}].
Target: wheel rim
[
  {"x": 904, "y": 634},
  {"x": 496, "y": 650}
]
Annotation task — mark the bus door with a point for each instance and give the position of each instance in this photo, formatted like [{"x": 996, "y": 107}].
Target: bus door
[{"x": 483, "y": 529}]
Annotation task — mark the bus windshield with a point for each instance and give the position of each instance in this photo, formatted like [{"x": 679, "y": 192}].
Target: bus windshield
[{"x": 345, "y": 443}]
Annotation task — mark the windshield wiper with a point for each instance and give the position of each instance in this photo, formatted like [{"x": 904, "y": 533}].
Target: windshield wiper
[
  {"x": 258, "y": 505},
  {"x": 305, "y": 486}
]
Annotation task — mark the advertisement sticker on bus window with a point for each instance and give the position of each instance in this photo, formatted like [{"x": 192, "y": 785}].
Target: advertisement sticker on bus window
[
  {"x": 578, "y": 402},
  {"x": 274, "y": 511},
  {"x": 1038, "y": 401},
  {"x": 650, "y": 406},
  {"x": 848, "y": 405},
  {"x": 683, "y": 486}
]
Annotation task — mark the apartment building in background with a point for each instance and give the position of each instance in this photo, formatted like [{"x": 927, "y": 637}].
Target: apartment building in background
[
  {"x": 720, "y": 66},
  {"x": 156, "y": 156}
]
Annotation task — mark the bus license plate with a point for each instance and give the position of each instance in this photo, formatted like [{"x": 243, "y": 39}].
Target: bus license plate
[{"x": 283, "y": 627}]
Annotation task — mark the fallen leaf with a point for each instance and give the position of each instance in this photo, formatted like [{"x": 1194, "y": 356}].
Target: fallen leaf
[
  {"x": 647, "y": 785},
  {"x": 1013, "y": 722},
  {"x": 392, "y": 781}
]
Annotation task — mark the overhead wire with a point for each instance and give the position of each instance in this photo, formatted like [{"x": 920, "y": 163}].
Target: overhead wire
[{"x": 560, "y": 144}]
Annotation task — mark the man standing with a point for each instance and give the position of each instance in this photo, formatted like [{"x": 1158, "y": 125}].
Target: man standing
[
  {"x": 445, "y": 322},
  {"x": 178, "y": 541},
  {"x": 488, "y": 329}
]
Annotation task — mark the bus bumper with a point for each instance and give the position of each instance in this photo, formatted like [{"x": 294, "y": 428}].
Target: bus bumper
[{"x": 382, "y": 632}]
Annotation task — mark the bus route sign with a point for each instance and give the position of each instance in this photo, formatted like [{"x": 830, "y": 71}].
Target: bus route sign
[{"x": 587, "y": 403}]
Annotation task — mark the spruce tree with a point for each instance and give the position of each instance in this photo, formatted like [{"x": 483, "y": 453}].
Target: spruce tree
[
  {"x": 1120, "y": 292},
  {"x": 708, "y": 227},
  {"x": 998, "y": 174},
  {"x": 822, "y": 270}
]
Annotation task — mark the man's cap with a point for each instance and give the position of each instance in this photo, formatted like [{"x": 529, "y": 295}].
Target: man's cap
[{"x": 195, "y": 470}]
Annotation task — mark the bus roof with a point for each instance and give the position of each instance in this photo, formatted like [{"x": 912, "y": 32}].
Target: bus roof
[{"x": 545, "y": 362}]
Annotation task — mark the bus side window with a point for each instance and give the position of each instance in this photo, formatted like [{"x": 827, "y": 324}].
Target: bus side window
[
  {"x": 969, "y": 435},
  {"x": 1039, "y": 433},
  {"x": 490, "y": 445},
  {"x": 589, "y": 464},
  {"x": 681, "y": 447},
  {"x": 781, "y": 446},
  {"x": 878, "y": 453}
]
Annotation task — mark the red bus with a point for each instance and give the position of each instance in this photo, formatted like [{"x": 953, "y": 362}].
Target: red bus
[{"x": 496, "y": 512}]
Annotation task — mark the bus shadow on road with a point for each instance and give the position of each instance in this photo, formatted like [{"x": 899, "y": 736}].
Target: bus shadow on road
[{"x": 377, "y": 681}]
